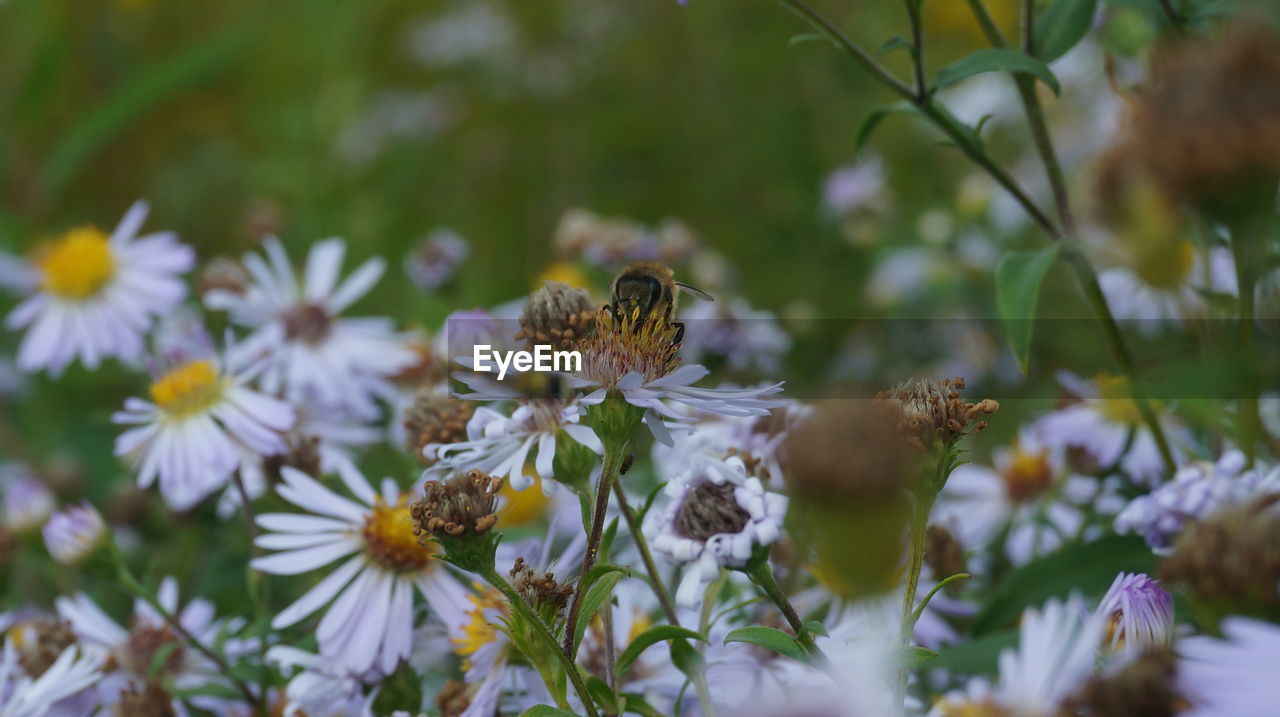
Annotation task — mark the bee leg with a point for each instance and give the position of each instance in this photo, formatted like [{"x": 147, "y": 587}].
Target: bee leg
[{"x": 679, "y": 327}]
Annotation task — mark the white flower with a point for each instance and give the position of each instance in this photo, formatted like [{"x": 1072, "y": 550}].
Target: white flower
[
  {"x": 501, "y": 446},
  {"x": 715, "y": 517},
  {"x": 854, "y": 187},
  {"x": 134, "y": 651},
  {"x": 322, "y": 687},
  {"x": 75, "y": 670},
  {"x": 433, "y": 261},
  {"x": 201, "y": 424},
  {"x": 28, "y": 502},
  {"x": 72, "y": 534},
  {"x": 745, "y": 338},
  {"x": 370, "y": 624},
  {"x": 311, "y": 356},
  {"x": 1056, "y": 652},
  {"x": 1235, "y": 676},
  {"x": 98, "y": 295},
  {"x": 1134, "y": 298}
]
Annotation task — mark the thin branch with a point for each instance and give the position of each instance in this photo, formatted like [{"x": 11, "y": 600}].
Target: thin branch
[
  {"x": 917, "y": 48},
  {"x": 612, "y": 462}
]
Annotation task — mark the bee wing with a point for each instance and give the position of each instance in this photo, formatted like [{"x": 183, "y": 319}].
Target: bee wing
[{"x": 695, "y": 291}]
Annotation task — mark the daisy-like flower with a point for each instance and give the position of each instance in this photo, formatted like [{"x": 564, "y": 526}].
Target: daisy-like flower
[
  {"x": 434, "y": 260},
  {"x": 72, "y": 534},
  {"x": 370, "y": 624},
  {"x": 1197, "y": 490},
  {"x": 311, "y": 356},
  {"x": 715, "y": 518},
  {"x": 201, "y": 423},
  {"x": 98, "y": 294},
  {"x": 134, "y": 652},
  {"x": 745, "y": 339},
  {"x": 754, "y": 439},
  {"x": 1234, "y": 676},
  {"x": 319, "y": 686},
  {"x": 1139, "y": 614},
  {"x": 1171, "y": 287},
  {"x": 75, "y": 670},
  {"x": 1056, "y": 652},
  {"x": 1105, "y": 429},
  {"x": 501, "y": 446},
  {"x": 638, "y": 359},
  {"x": 28, "y": 502}
]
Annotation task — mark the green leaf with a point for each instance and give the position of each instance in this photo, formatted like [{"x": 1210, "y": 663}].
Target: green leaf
[
  {"x": 161, "y": 656},
  {"x": 997, "y": 59},
  {"x": 595, "y": 597},
  {"x": 637, "y": 704},
  {"x": 913, "y": 657},
  {"x": 602, "y": 695},
  {"x": 547, "y": 711},
  {"x": 815, "y": 628},
  {"x": 1087, "y": 568},
  {"x": 684, "y": 657},
  {"x": 979, "y": 656},
  {"x": 768, "y": 638},
  {"x": 1018, "y": 279},
  {"x": 648, "y": 502},
  {"x": 650, "y": 637},
  {"x": 1063, "y": 24},
  {"x": 873, "y": 119},
  {"x": 808, "y": 37},
  {"x": 897, "y": 42},
  {"x": 606, "y": 541}
]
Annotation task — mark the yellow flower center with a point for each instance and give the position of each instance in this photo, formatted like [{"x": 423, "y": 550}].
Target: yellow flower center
[
  {"x": 188, "y": 389},
  {"x": 1027, "y": 475},
  {"x": 1166, "y": 265},
  {"x": 971, "y": 708},
  {"x": 1116, "y": 403},
  {"x": 522, "y": 507},
  {"x": 479, "y": 631},
  {"x": 389, "y": 539},
  {"x": 78, "y": 265}
]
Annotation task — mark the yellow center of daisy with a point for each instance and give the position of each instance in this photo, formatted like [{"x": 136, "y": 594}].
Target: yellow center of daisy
[
  {"x": 389, "y": 539},
  {"x": 479, "y": 631},
  {"x": 187, "y": 389},
  {"x": 632, "y": 343},
  {"x": 522, "y": 507},
  {"x": 1027, "y": 475},
  {"x": 1165, "y": 265},
  {"x": 78, "y": 265},
  {"x": 1116, "y": 402},
  {"x": 971, "y": 708}
]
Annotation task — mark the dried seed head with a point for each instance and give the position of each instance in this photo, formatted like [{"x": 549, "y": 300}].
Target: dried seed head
[
  {"x": 557, "y": 315},
  {"x": 223, "y": 274},
  {"x": 710, "y": 509},
  {"x": 145, "y": 700},
  {"x": 1145, "y": 686},
  {"x": 933, "y": 413},
  {"x": 453, "y": 699},
  {"x": 426, "y": 369},
  {"x": 465, "y": 504},
  {"x": 544, "y": 594},
  {"x": 50, "y": 637},
  {"x": 943, "y": 553},
  {"x": 435, "y": 418},
  {"x": 144, "y": 644},
  {"x": 308, "y": 323},
  {"x": 1230, "y": 558}
]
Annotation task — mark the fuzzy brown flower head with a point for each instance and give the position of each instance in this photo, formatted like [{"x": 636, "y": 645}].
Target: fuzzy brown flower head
[
  {"x": 50, "y": 637},
  {"x": 1145, "y": 686},
  {"x": 1209, "y": 123},
  {"x": 710, "y": 509},
  {"x": 145, "y": 700},
  {"x": 435, "y": 418},
  {"x": 454, "y": 698},
  {"x": 847, "y": 450},
  {"x": 557, "y": 315},
  {"x": 1231, "y": 558},
  {"x": 301, "y": 452},
  {"x": 144, "y": 644},
  {"x": 543, "y": 593},
  {"x": 222, "y": 274},
  {"x": 933, "y": 413},
  {"x": 308, "y": 323},
  {"x": 629, "y": 344},
  {"x": 467, "y": 503}
]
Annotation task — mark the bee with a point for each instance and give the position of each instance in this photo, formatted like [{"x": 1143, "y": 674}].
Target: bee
[{"x": 647, "y": 288}]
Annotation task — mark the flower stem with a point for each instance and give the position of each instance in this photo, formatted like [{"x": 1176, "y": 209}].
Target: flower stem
[
  {"x": 1246, "y": 234},
  {"x": 761, "y": 573},
  {"x": 257, "y": 586},
  {"x": 518, "y": 604},
  {"x": 614, "y": 452}
]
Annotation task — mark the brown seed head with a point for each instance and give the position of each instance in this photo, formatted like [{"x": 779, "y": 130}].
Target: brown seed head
[
  {"x": 542, "y": 593},
  {"x": 1146, "y": 686},
  {"x": 1230, "y": 558},
  {"x": 144, "y": 644},
  {"x": 435, "y": 418},
  {"x": 308, "y": 323},
  {"x": 557, "y": 315},
  {"x": 453, "y": 699},
  {"x": 464, "y": 504},
  {"x": 51, "y": 637},
  {"x": 145, "y": 700},
  {"x": 933, "y": 413},
  {"x": 710, "y": 509}
]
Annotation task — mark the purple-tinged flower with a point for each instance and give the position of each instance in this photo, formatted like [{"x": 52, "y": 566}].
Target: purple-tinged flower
[
  {"x": 72, "y": 534},
  {"x": 1235, "y": 676},
  {"x": 28, "y": 502},
  {"x": 435, "y": 259},
  {"x": 1139, "y": 614}
]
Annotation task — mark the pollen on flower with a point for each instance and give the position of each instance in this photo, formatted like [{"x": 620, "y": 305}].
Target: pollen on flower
[
  {"x": 629, "y": 344},
  {"x": 479, "y": 630},
  {"x": 1116, "y": 402},
  {"x": 78, "y": 265},
  {"x": 188, "y": 388},
  {"x": 389, "y": 539},
  {"x": 1027, "y": 475}
]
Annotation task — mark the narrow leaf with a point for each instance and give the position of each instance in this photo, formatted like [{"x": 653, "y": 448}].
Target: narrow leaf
[
  {"x": 1063, "y": 24},
  {"x": 547, "y": 711},
  {"x": 913, "y": 657},
  {"x": 651, "y": 637},
  {"x": 768, "y": 638},
  {"x": 1018, "y": 279},
  {"x": 872, "y": 121},
  {"x": 595, "y": 597},
  {"x": 997, "y": 59}
]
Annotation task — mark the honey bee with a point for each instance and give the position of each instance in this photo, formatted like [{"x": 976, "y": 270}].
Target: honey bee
[{"x": 648, "y": 288}]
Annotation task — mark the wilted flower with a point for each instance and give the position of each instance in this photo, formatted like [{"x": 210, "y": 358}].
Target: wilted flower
[
  {"x": 466, "y": 504},
  {"x": 933, "y": 413},
  {"x": 1139, "y": 614},
  {"x": 28, "y": 502},
  {"x": 435, "y": 259},
  {"x": 99, "y": 294},
  {"x": 311, "y": 356},
  {"x": 714, "y": 519},
  {"x": 73, "y": 533}
]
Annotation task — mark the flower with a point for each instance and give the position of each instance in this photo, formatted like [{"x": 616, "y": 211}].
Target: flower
[
  {"x": 370, "y": 624},
  {"x": 745, "y": 338},
  {"x": 755, "y": 439},
  {"x": 933, "y": 413},
  {"x": 1234, "y": 676},
  {"x": 201, "y": 423},
  {"x": 1197, "y": 490},
  {"x": 1055, "y": 656},
  {"x": 1176, "y": 292},
  {"x": 558, "y": 316},
  {"x": 135, "y": 653},
  {"x": 311, "y": 356},
  {"x": 1139, "y": 614},
  {"x": 72, "y": 534},
  {"x": 713, "y": 519},
  {"x": 321, "y": 688},
  {"x": 434, "y": 260},
  {"x": 99, "y": 294},
  {"x": 28, "y": 502},
  {"x": 75, "y": 670}
]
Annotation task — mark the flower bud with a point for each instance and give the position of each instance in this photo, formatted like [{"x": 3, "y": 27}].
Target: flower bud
[
  {"x": 556, "y": 315},
  {"x": 71, "y": 535}
]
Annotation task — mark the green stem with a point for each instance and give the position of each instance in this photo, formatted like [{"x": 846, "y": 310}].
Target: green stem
[
  {"x": 1245, "y": 236},
  {"x": 518, "y": 604},
  {"x": 257, "y": 586},
  {"x": 761, "y": 573},
  {"x": 614, "y": 454},
  {"x": 917, "y": 48}
]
